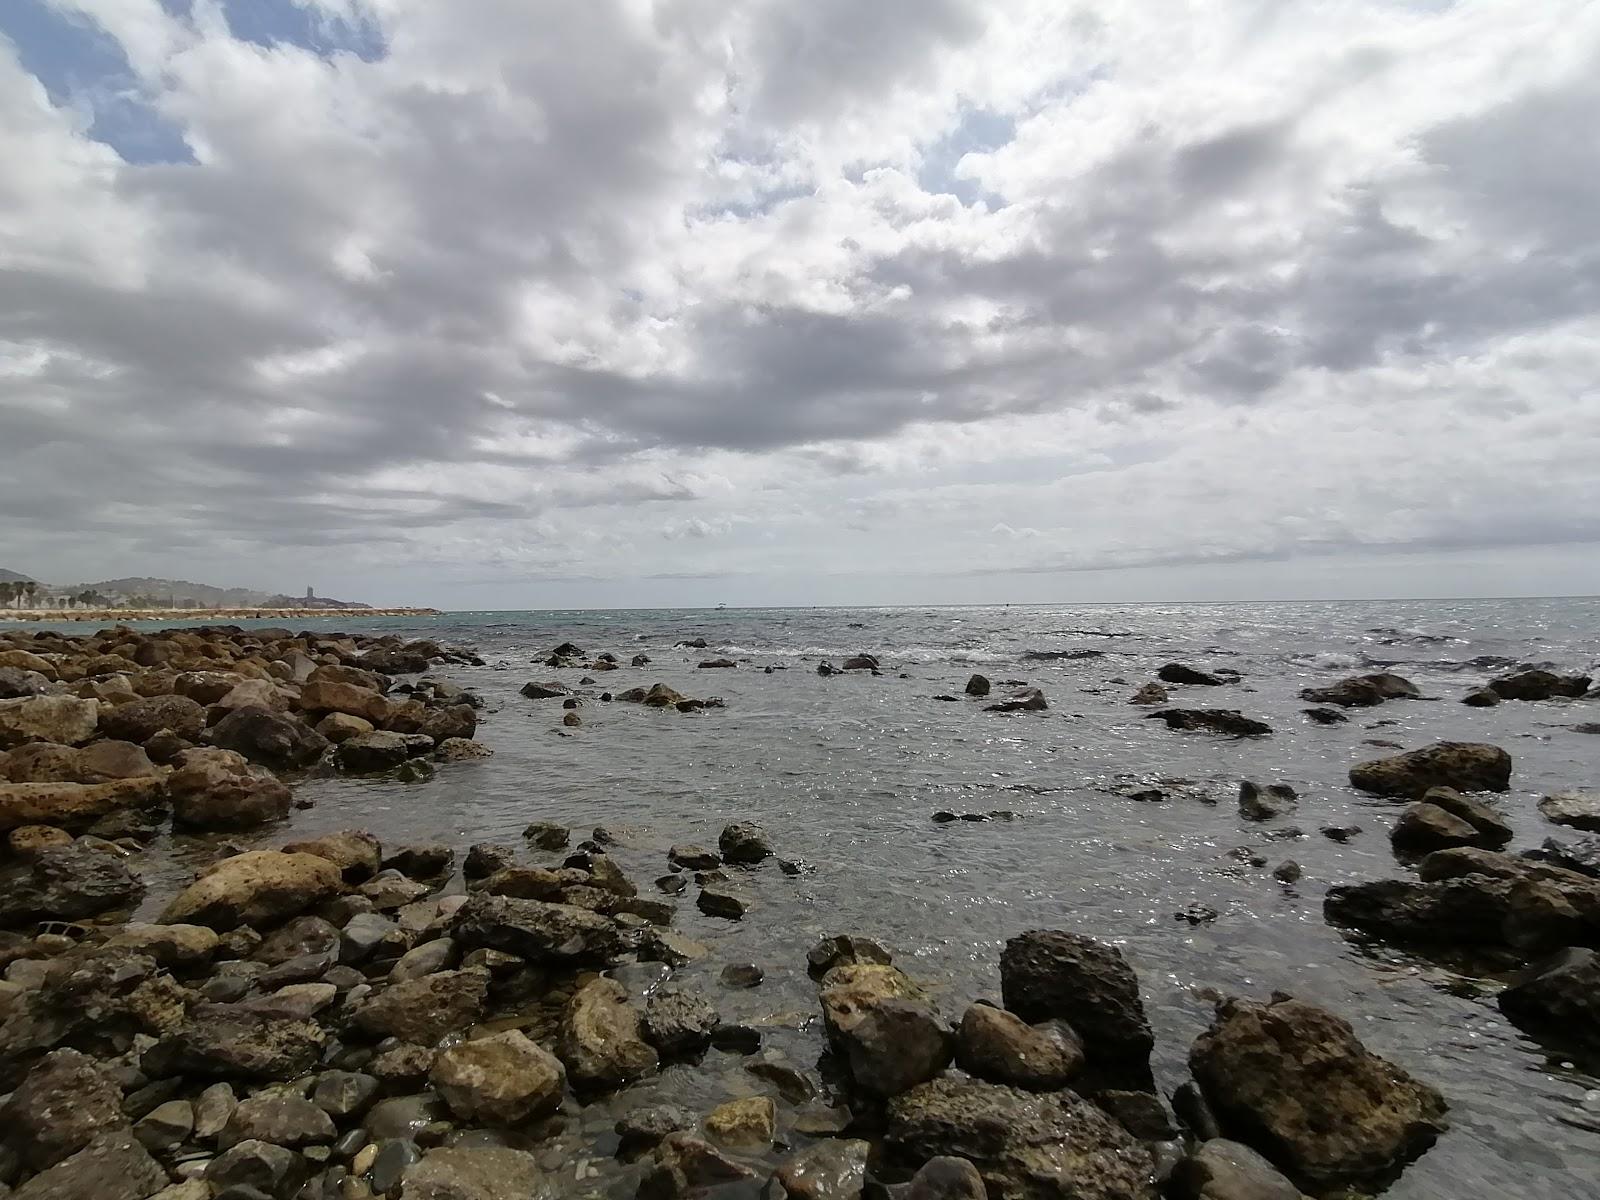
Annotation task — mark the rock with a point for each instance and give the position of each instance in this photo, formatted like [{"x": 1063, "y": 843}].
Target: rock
[
  {"x": 17, "y": 683},
  {"x": 1178, "y": 673},
  {"x": 165, "y": 1126},
  {"x": 749, "y": 1123},
  {"x": 1027, "y": 700},
  {"x": 273, "y": 1170},
  {"x": 396, "y": 660},
  {"x": 547, "y": 835},
  {"x": 346, "y": 698},
  {"x": 1466, "y": 911},
  {"x": 601, "y": 1038},
  {"x": 842, "y": 950},
  {"x": 946, "y": 1178},
  {"x": 140, "y": 720},
  {"x": 679, "y": 1024},
  {"x": 683, "y": 1163},
  {"x": 1046, "y": 974},
  {"x": 344, "y": 1094},
  {"x": 218, "y": 789},
  {"x": 74, "y": 805},
  {"x": 977, "y": 686},
  {"x": 1445, "y": 818},
  {"x": 830, "y": 1170},
  {"x": 744, "y": 844},
  {"x": 103, "y": 762},
  {"x": 503, "y": 1079},
  {"x": 27, "y": 842},
  {"x": 1150, "y": 693},
  {"x": 718, "y": 664},
  {"x": 1539, "y": 685},
  {"x": 1363, "y": 691},
  {"x": 425, "y": 1009},
  {"x": 716, "y": 900},
  {"x": 366, "y": 753},
  {"x": 1579, "y": 809},
  {"x": 228, "y": 1042},
  {"x": 356, "y": 853},
  {"x": 170, "y": 945},
  {"x": 42, "y": 762},
  {"x": 1025, "y": 1145},
  {"x": 1213, "y": 720},
  {"x": 889, "y": 1038},
  {"x": 112, "y": 1167},
  {"x": 1326, "y": 716},
  {"x": 742, "y": 975},
  {"x": 281, "y": 1117},
  {"x": 473, "y": 1173},
  {"x": 340, "y": 727},
  {"x": 559, "y": 934},
  {"x": 212, "y": 1109},
  {"x": 1296, "y": 1081},
  {"x": 1465, "y": 766},
  {"x": 64, "y": 720},
  {"x": 995, "y": 1045},
  {"x": 1288, "y": 871},
  {"x": 553, "y": 690},
  {"x": 1559, "y": 999},
  {"x": 456, "y": 749},
  {"x": 644, "y": 1128},
  {"x": 425, "y": 861},
  {"x": 274, "y": 739},
  {"x": 455, "y": 723},
  {"x": 1582, "y": 856},
  {"x": 693, "y": 858},
  {"x": 69, "y": 883},
  {"x": 1258, "y": 803},
  {"x": 257, "y": 888},
  {"x": 1481, "y": 698},
  {"x": 1224, "y": 1170},
  {"x": 485, "y": 858},
  {"x": 64, "y": 1104}
]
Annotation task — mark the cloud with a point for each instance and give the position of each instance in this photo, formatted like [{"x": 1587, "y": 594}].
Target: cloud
[{"x": 684, "y": 289}]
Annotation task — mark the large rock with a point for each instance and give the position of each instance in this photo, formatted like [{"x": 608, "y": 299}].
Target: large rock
[
  {"x": 41, "y": 762},
  {"x": 1579, "y": 809},
  {"x": 425, "y": 1009},
  {"x": 834, "y": 1169},
  {"x": 456, "y": 721},
  {"x": 357, "y": 853},
  {"x": 998, "y": 1046},
  {"x": 1213, "y": 720},
  {"x": 1559, "y": 999},
  {"x": 501, "y": 1079},
  {"x": 74, "y": 805},
  {"x": 1464, "y": 766},
  {"x": 1179, "y": 673},
  {"x": 557, "y": 934},
  {"x": 1026, "y": 1145},
  {"x": 65, "y": 720},
  {"x": 1539, "y": 685},
  {"x": 1225, "y": 1170},
  {"x": 70, "y": 883},
  {"x": 274, "y": 739},
  {"x": 377, "y": 751},
  {"x": 744, "y": 843},
  {"x": 1363, "y": 691},
  {"x": 141, "y": 720},
  {"x": 260, "y": 888},
  {"x": 602, "y": 1038},
  {"x": 112, "y": 1167},
  {"x": 1293, "y": 1081},
  {"x": 1467, "y": 911},
  {"x": 280, "y": 1117},
  {"x": 224, "y": 1041},
  {"x": 64, "y": 1104},
  {"x": 322, "y": 696},
  {"x": 171, "y": 946},
  {"x": 679, "y": 1024},
  {"x": 1047, "y": 974},
  {"x": 105, "y": 762},
  {"x": 219, "y": 789},
  {"x": 1445, "y": 818},
  {"x": 889, "y": 1037},
  {"x": 474, "y": 1173}
]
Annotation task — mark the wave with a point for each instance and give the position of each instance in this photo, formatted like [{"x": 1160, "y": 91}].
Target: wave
[{"x": 908, "y": 654}]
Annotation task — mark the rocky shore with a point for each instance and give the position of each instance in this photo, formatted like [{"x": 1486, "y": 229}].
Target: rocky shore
[{"x": 341, "y": 1017}]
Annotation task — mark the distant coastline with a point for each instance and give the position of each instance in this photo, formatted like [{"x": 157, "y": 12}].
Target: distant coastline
[{"x": 247, "y": 613}]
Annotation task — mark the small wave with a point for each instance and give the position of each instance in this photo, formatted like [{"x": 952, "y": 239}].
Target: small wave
[
  {"x": 909, "y": 654},
  {"x": 1329, "y": 660}
]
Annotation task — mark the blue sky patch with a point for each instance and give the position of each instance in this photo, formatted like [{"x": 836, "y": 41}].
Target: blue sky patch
[
  {"x": 977, "y": 130},
  {"x": 271, "y": 23}
]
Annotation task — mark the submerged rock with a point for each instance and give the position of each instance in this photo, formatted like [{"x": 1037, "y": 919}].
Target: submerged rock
[
  {"x": 1294, "y": 1081},
  {"x": 1363, "y": 691},
  {"x": 744, "y": 844},
  {"x": 1027, "y": 700},
  {"x": 1539, "y": 685},
  {"x": 1213, "y": 720},
  {"x": 977, "y": 686},
  {"x": 1558, "y": 999},
  {"x": 1178, "y": 673},
  {"x": 1464, "y": 766},
  {"x": 835, "y": 1169},
  {"x": 1578, "y": 809},
  {"x": 1257, "y": 803},
  {"x": 469, "y": 1172},
  {"x": 1149, "y": 694}
]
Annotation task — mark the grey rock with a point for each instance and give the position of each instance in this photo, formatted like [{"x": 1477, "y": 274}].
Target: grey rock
[
  {"x": 283, "y": 1118},
  {"x": 423, "y": 1010},
  {"x": 679, "y": 1024},
  {"x": 111, "y": 1167},
  {"x": 165, "y": 1126},
  {"x": 1465, "y": 766},
  {"x": 946, "y": 1178},
  {"x": 65, "y": 1103},
  {"x": 538, "y": 931},
  {"x": 274, "y": 1170},
  {"x": 344, "y": 1094}
]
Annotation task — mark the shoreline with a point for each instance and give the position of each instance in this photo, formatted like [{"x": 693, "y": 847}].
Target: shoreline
[{"x": 89, "y": 615}]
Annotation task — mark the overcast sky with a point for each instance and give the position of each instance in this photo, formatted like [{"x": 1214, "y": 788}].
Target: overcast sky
[{"x": 527, "y": 303}]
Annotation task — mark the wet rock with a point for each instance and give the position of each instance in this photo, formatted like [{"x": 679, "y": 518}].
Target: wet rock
[
  {"x": 742, "y": 975},
  {"x": 1257, "y": 803},
  {"x": 718, "y": 664},
  {"x": 17, "y": 683},
  {"x": 1464, "y": 766},
  {"x": 1288, "y": 871},
  {"x": 744, "y": 844},
  {"x": 1326, "y": 716},
  {"x": 367, "y": 753},
  {"x": 829, "y": 1170},
  {"x": 1363, "y": 691},
  {"x": 1224, "y": 1170},
  {"x": 1467, "y": 911},
  {"x": 995, "y": 1045},
  {"x": 693, "y": 858},
  {"x": 112, "y": 1167},
  {"x": 140, "y": 720},
  {"x": 844, "y": 949},
  {"x": 1140, "y": 1113},
  {"x": 344, "y": 1094},
  {"x": 27, "y": 842},
  {"x": 889, "y": 1037},
  {"x": 456, "y": 749},
  {"x": 339, "y": 727},
  {"x": 273, "y": 739},
  {"x": 946, "y": 1178},
  {"x": 485, "y": 858},
  {"x": 473, "y": 1173},
  {"x": 73, "y": 805},
  {"x": 1582, "y": 856},
  {"x": 601, "y": 1039},
  {"x": 69, "y": 883},
  {"x": 1025, "y": 1145},
  {"x": 977, "y": 686},
  {"x": 1047, "y": 974},
  {"x": 219, "y": 789},
  {"x": 1149, "y": 694},
  {"x": 538, "y": 931},
  {"x": 303, "y": 937},
  {"x": 547, "y": 835},
  {"x": 1558, "y": 999},
  {"x": 423, "y": 1010},
  {"x": 426, "y": 959},
  {"x": 170, "y": 945},
  {"x": 1539, "y": 685},
  {"x": 402, "y": 1065},
  {"x": 428, "y": 860},
  {"x": 502, "y": 1079},
  {"x": 716, "y": 900},
  {"x": 65, "y": 1102},
  {"x": 1481, "y": 698},
  {"x": 1178, "y": 673},
  {"x": 1579, "y": 809},
  {"x": 1213, "y": 720},
  {"x": 682, "y": 1163},
  {"x": 257, "y": 888},
  {"x": 355, "y": 852},
  {"x": 644, "y": 1128},
  {"x": 679, "y": 1024},
  {"x": 228, "y": 1042},
  {"x": 455, "y": 723},
  {"x": 283, "y": 1118},
  {"x": 212, "y": 1108},
  {"x": 272, "y": 1170},
  {"x": 749, "y": 1123},
  {"x": 165, "y": 1126},
  {"x": 63, "y": 720},
  {"x": 1027, "y": 700},
  {"x": 1445, "y": 818},
  {"x": 1295, "y": 1081}
]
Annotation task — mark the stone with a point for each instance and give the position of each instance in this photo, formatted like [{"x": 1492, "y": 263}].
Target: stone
[
  {"x": 717, "y": 900},
  {"x": 1213, "y": 720},
  {"x": 998, "y": 1046},
  {"x": 683, "y": 1163},
  {"x": 1464, "y": 766},
  {"x": 830, "y": 1170},
  {"x": 1582, "y": 855},
  {"x": 889, "y": 1037},
  {"x": 547, "y": 835},
  {"x": 946, "y": 1178},
  {"x": 367, "y": 753},
  {"x": 742, "y": 975},
  {"x": 17, "y": 683},
  {"x": 1558, "y": 999},
  {"x": 165, "y": 1126},
  {"x": 273, "y": 739},
  {"x": 458, "y": 749},
  {"x": 643, "y": 1128},
  {"x": 299, "y": 1001},
  {"x": 112, "y": 1167},
  {"x": 749, "y": 1123},
  {"x": 1578, "y": 809},
  {"x": 73, "y": 805},
  {"x": 1027, "y": 700},
  {"x": 1257, "y": 803},
  {"x": 1296, "y": 1082},
  {"x": 42, "y": 762},
  {"x": 977, "y": 686},
  {"x": 63, "y": 720},
  {"x": 485, "y": 858},
  {"x": 218, "y": 789},
  {"x": 273, "y": 1170},
  {"x": 554, "y": 934},
  {"x": 257, "y": 888},
  {"x": 429, "y": 860},
  {"x": 1178, "y": 673},
  {"x": 1149, "y": 694},
  {"x": 339, "y": 727},
  {"x": 170, "y": 945},
  {"x": 679, "y": 1024},
  {"x": 426, "y": 959},
  {"x": 1225, "y": 1170},
  {"x": 601, "y": 1039},
  {"x": 744, "y": 844},
  {"x": 1363, "y": 691},
  {"x": 402, "y": 1064},
  {"x": 29, "y": 841},
  {"x": 103, "y": 762},
  {"x": 473, "y": 1173},
  {"x": 65, "y": 1103},
  {"x": 283, "y": 1118},
  {"x": 503, "y": 1079},
  {"x": 228, "y": 1042},
  {"x": 344, "y": 1094},
  {"x": 1025, "y": 1145},
  {"x": 550, "y": 690},
  {"x": 1481, "y": 698},
  {"x": 356, "y": 853},
  {"x": 693, "y": 858},
  {"x": 140, "y": 720},
  {"x": 424, "y": 1010},
  {"x": 842, "y": 950},
  {"x": 1326, "y": 716},
  {"x": 1046, "y": 974},
  {"x": 212, "y": 1108},
  {"x": 298, "y": 939},
  {"x": 70, "y": 883},
  {"x": 1539, "y": 685}
]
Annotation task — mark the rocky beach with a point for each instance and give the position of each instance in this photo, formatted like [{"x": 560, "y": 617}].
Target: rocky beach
[{"x": 1221, "y": 902}]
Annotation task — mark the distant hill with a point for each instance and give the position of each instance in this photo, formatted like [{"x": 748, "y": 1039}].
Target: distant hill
[
  {"x": 12, "y": 577},
  {"x": 149, "y": 592}
]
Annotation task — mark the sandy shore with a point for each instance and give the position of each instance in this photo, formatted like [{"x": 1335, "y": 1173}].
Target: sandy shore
[{"x": 103, "y": 615}]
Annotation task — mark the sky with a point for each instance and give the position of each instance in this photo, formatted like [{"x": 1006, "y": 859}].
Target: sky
[{"x": 530, "y": 303}]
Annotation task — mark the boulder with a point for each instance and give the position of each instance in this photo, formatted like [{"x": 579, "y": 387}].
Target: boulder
[
  {"x": 356, "y": 853},
  {"x": 274, "y": 739},
  {"x": 17, "y": 683},
  {"x": 889, "y": 1037},
  {"x": 1558, "y": 999},
  {"x": 977, "y": 686},
  {"x": 1445, "y": 818},
  {"x": 1293, "y": 1081},
  {"x": 1363, "y": 691},
  {"x": 64, "y": 720},
  {"x": 397, "y": 660},
  {"x": 250, "y": 693},
  {"x": 1464, "y": 766},
  {"x": 1213, "y": 720},
  {"x": 219, "y": 789},
  {"x": 258, "y": 888},
  {"x": 551, "y": 690},
  {"x": 426, "y": 860},
  {"x": 601, "y": 1040},
  {"x": 682, "y": 1163},
  {"x": 1539, "y": 685},
  {"x": 325, "y": 697},
  {"x": 74, "y": 805},
  {"x": 502, "y": 1079},
  {"x": 1178, "y": 673},
  {"x": 70, "y": 883},
  {"x": 1468, "y": 911},
  {"x": 425, "y": 1009},
  {"x": 112, "y": 1167},
  {"x": 471, "y": 1172},
  {"x": 1578, "y": 809},
  {"x": 205, "y": 687},
  {"x": 1481, "y": 698},
  {"x": 1053, "y": 974},
  {"x": 225, "y": 1041},
  {"x": 366, "y": 753},
  {"x": 455, "y": 723},
  {"x": 65, "y": 1102},
  {"x": 834, "y": 1169},
  {"x": 679, "y": 1024},
  {"x": 748, "y": 1124},
  {"x": 456, "y": 749},
  {"x": 998, "y": 1046},
  {"x": 1224, "y": 1170},
  {"x": 1149, "y": 694},
  {"x": 253, "y": 1169},
  {"x": 744, "y": 844},
  {"x": 141, "y": 720},
  {"x": 27, "y": 842},
  {"x": 1025, "y": 1145}
]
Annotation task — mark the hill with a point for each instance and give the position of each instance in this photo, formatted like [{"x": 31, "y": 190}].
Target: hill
[
  {"x": 144, "y": 591},
  {"x": 12, "y": 577}
]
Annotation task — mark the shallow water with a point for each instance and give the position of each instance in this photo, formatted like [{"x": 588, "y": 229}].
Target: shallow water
[{"x": 845, "y": 773}]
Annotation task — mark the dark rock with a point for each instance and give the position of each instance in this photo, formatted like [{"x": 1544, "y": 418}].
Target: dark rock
[
  {"x": 165, "y": 1126},
  {"x": 736, "y": 1039},
  {"x": 1288, "y": 871},
  {"x": 742, "y": 975},
  {"x": 1444, "y": 818},
  {"x": 844, "y": 949},
  {"x": 485, "y": 858},
  {"x": 1363, "y": 691},
  {"x": 993, "y": 1044},
  {"x": 1293, "y": 1080},
  {"x": 112, "y": 1167},
  {"x": 977, "y": 686},
  {"x": 1558, "y": 999},
  {"x": 537, "y": 931},
  {"x": 273, "y": 739},
  {"x": 224, "y": 1041},
  {"x": 682, "y": 1163},
  {"x": 1481, "y": 698},
  {"x": 1149, "y": 694},
  {"x": 274, "y": 1170},
  {"x": 389, "y": 1165},
  {"x": 546, "y": 835},
  {"x": 366, "y": 753},
  {"x": 344, "y": 1094},
  {"x": 716, "y": 900},
  {"x": 1027, "y": 700},
  {"x": 1047, "y": 974},
  {"x": 1326, "y": 716},
  {"x": 68, "y": 883},
  {"x": 718, "y": 664},
  {"x": 283, "y": 1118},
  {"x": 644, "y": 1128},
  {"x": 1582, "y": 856},
  {"x": 1539, "y": 685},
  {"x": 140, "y": 720},
  {"x": 946, "y": 1178},
  {"x": 425, "y": 1009},
  {"x": 693, "y": 858},
  {"x": 1178, "y": 673},
  {"x": 1578, "y": 809},
  {"x": 744, "y": 844},
  {"x": 830, "y": 1170},
  {"x": 426, "y": 861},
  {"x": 601, "y": 1038},
  {"x": 1465, "y": 766},
  {"x": 1140, "y": 1113},
  {"x": 889, "y": 1037},
  {"x": 65, "y": 1103},
  {"x": 1258, "y": 803},
  {"x": 1213, "y": 720},
  {"x": 679, "y": 1024},
  {"x": 1224, "y": 1170}
]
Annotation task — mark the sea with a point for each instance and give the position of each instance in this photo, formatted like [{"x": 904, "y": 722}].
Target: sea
[{"x": 846, "y": 773}]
